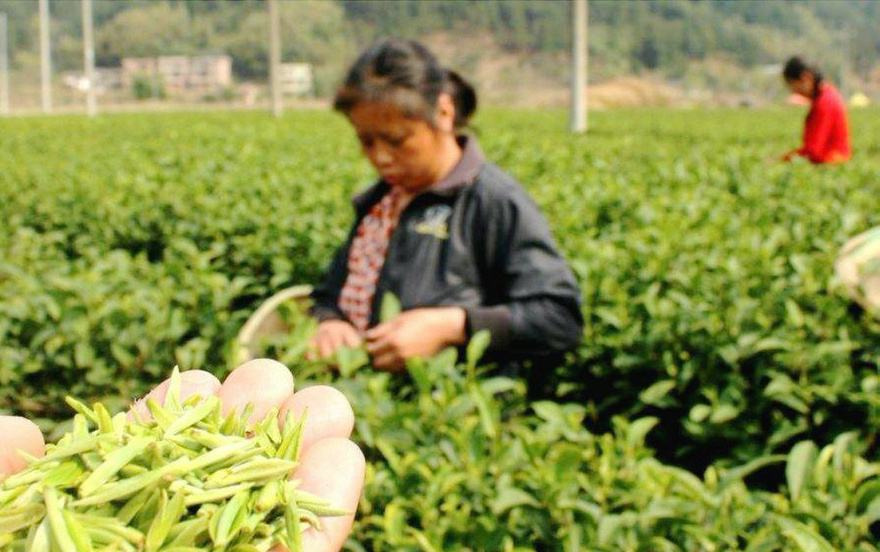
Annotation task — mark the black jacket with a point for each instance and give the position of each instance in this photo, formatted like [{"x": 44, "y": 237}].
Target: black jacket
[{"x": 475, "y": 240}]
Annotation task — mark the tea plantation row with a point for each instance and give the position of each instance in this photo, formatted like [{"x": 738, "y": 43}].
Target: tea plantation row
[{"x": 714, "y": 331}]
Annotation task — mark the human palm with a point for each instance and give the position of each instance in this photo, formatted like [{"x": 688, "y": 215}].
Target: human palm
[{"x": 331, "y": 465}]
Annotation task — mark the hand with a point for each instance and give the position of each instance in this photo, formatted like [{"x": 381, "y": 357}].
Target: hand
[
  {"x": 332, "y": 335},
  {"x": 415, "y": 333},
  {"x": 331, "y": 465},
  {"x": 784, "y": 158}
]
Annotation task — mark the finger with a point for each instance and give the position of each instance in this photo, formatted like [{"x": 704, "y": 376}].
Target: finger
[
  {"x": 324, "y": 347},
  {"x": 312, "y": 348},
  {"x": 262, "y": 382},
  {"x": 379, "y": 347},
  {"x": 336, "y": 341},
  {"x": 377, "y": 332},
  {"x": 192, "y": 382},
  {"x": 332, "y": 469},
  {"x": 390, "y": 362},
  {"x": 328, "y": 413},
  {"x": 352, "y": 339},
  {"x": 18, "y": 433},
  {"x": 331, "y": 344}
]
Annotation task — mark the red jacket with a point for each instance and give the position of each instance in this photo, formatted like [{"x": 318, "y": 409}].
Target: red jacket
[{"x": 826, "y": 132}]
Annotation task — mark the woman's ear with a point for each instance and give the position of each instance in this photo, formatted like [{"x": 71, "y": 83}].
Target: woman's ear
[{"x": 444, "y": 117}]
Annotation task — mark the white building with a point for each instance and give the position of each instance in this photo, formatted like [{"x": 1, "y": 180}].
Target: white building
[
  {"x": 180, "y": 74},
  {"x": 297, "y": 79}
]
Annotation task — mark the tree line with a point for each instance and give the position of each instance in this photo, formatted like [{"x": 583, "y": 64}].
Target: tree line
[{"x": 625, "y": 37}]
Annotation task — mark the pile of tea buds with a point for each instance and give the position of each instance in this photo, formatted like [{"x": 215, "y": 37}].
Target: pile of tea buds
[{"x": 190, "y": 479}]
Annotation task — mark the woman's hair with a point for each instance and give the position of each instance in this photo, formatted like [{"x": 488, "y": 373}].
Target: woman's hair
[
  {"x": 404, "y": 73},
  {"x": 795, "y": 67}
]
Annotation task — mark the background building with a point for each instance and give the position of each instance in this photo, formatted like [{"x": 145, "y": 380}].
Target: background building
[
  {"x": 297, "y": 79},
  {"x": 181, "y": 74}
]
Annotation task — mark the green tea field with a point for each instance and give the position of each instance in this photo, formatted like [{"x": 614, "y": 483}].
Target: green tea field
[{"x": 725, "y": 396}]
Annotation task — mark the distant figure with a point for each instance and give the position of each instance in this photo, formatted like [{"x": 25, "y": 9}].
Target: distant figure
[{"x": 826, "y": 131}]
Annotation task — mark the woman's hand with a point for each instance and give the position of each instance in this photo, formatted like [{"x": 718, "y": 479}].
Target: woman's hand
[
  {"x": 331, "y": 466},
  {"x": 330, "y": 336},
  {"x": 784, "y": 158},
  {"x": 415, "y": 333}
]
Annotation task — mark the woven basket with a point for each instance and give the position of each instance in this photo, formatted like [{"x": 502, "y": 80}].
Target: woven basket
[
  {"x": 858, "y": 268},
  {"x": 266, "y": 322}
]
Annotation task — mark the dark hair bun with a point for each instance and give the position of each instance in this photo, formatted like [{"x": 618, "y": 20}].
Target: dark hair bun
[
  {"x": 405, "y": 73},
  {"x": 464, "y": 96},
  {"x": 794, "y": 68}
]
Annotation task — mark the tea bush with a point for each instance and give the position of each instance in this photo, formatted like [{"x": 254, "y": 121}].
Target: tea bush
[{"x": 131, "y": 243}]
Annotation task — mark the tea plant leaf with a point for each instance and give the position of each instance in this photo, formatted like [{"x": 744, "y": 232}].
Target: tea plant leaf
[
  {"x": 477, "y": 347},
  {"x": 799, "y": 466},
  {"x": 148, "y": 482},
  {"x": 511, "y": 498},
  {"x": 866, "y": 494},
  {"x": 390, "y": 307},
  {"x": 805, "y": 537},
  {"x": 639, "y": 429},
  {"x": 723, "y": 414},
  {"x": 741, "y": 472},
  {"x": 485, "y": 407},
  {"x": 656, "y": 392},
  {"x": 417, "y": 368}
]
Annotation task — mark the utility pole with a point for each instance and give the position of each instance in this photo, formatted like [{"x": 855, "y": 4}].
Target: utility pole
[
  {"x": 89, "y": 57},
  {"x": 45, "y": 57},
  {"x": 275, "y": 57},
  {"x": 4, "y": 64},
  {"x": 845, "y": 64},
  {"x": 580, "y": 15}
]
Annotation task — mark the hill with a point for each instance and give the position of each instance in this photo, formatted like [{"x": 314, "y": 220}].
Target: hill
[{"x": 724, "y": 47}]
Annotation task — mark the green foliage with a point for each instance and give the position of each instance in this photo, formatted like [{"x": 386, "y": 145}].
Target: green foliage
[
  {"x": 144, "y": 87},
  {"x": 145, "y": 30},
  {"x": 128, "y": 248},
  {"x": 707, "y": 277},
  {"x": 313, "y": 32},
  {"x": 463, "y": 463},
  {"x": 721, "y": 378}
]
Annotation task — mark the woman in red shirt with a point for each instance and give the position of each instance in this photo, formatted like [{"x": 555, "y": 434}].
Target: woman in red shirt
[{"x": 826, "y": 132}]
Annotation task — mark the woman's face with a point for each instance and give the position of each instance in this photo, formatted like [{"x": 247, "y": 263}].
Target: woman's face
[
  {"x": 405, "y": 151},
  {"x": 803, "y": 85}
]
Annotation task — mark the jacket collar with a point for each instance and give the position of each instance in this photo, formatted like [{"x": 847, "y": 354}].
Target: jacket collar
[
  {"x": 463, "y": 174},
  {"x": 466, "y": 170}
]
